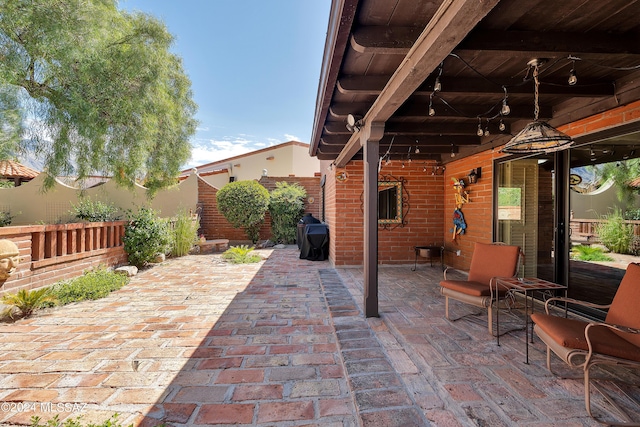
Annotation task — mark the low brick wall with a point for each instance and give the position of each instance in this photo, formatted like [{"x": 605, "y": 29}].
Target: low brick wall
[{"x": 51, "y": 253}]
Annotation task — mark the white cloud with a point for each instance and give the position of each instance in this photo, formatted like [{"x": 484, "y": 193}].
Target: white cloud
[
  {"x": 290, "y": 137},
  {"x": 213, "y": 150}
]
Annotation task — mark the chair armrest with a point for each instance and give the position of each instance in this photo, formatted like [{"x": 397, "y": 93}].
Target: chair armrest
[
  {"x": 619, "y": 328},
  {"x": 574, "y": 301},
  {"x": 444, "y": 273}
]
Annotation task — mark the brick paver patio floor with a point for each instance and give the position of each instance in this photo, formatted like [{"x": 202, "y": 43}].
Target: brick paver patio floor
[{"x": 195, "y": 341}]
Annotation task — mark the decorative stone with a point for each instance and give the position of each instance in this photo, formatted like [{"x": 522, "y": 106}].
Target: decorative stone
[
  {"x": 128, "y": 270},
  {"x": 9, "y": 258},
  {"x": 279, "y": 246},
  {"x": 159, "y": 258}
]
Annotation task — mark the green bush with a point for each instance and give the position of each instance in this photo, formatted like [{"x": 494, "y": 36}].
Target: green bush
[
  {"x": 244, "y": 204},
  {"x": 23, "y": 303},
  {"x": 184, "y": 234},
  {"x": 589, "y": 253},
  {"x": 633, "y": 214},
  {"x": 615, "y": 233},
  {"x": 92, "y": 285},
  {"x": 241, "y": 255},
  {"x": 145, "y": 236},
  {"x": 286, "y": 206},
  {"x": 5, "y": 218},
  {"x": 94, "y": 211}
]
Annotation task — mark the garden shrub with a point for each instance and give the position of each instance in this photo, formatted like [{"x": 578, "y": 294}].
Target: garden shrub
[
  {"x": 241, "y": 255},
  {"x": 615, "y": 233},
  {"x": 244, "y": 204},
  {"x": 145, "y": 236},
  {"x": 184, "y": 233},
  {"x": 94, "y": 211},
  {"x": 589, "y": 253},
  {"x": 92, "y": 285},
  {"x": 5, "y": 218},
  {"x": 286, "y": 206},
  {"x": 24, "y": 302}
]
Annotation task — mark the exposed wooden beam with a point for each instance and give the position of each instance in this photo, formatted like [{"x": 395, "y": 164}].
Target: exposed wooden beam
[
  {"x": 384, "y": 40},
  {"x": 341, "y": 111},
  {"x": 373, "y": 85},
  {"x": 470, "y": 138},
  {"x": 361, "y": 85},
  {"x": 419, "y": 109},
  {"x": 451, "y": 23},
  {"x": 550, "y": 44},
  {"x": 401, "y": 151},
  {"x": 453, "y": 20}
]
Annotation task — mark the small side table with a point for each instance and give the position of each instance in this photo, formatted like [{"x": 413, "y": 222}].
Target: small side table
[
  {"x": 428, "y": 251},
  {"x": 527, "y": 286}
]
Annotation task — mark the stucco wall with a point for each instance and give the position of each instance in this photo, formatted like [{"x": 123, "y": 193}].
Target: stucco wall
[
  {"x": 31, "y": 205},
  {"x": 290, "y": 158}
]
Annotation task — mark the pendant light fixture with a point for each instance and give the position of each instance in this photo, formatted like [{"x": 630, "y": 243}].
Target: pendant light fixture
[{"x": 538, "y": 136}]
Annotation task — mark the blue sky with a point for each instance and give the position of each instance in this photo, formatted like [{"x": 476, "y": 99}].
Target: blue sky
[{"x": 254, "y": 67}]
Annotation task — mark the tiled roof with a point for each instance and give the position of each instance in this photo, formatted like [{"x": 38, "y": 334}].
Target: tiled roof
[
  {"x": 635, "y": 183},
  {"x": 11, "y": 169}
]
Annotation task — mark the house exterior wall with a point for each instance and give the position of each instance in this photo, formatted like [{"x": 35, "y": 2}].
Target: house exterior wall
[
  {"x": 290, "y": 158},
  {"x": 478, "y": 212},
  {"x": 423, "y": 214}
]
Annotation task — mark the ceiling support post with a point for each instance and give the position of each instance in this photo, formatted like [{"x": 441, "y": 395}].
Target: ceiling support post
[{"x": 370, "y": 138}]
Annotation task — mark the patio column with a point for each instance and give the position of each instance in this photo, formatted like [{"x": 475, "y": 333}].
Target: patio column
[{"x": 370, "y": 138}]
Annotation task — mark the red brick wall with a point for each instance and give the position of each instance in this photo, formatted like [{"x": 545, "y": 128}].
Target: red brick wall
[
  {"x": 312, "y": 203},
  {"x": 423, "y": 215},
  {"x": 66, "y": 262},
  {"x": 478, "y": 212},
  {"x": 214, "y": 226},
  {"x": 614, "y": 117}
]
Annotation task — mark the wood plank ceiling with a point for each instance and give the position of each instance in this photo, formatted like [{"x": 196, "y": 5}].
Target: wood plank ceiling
[{"x": 369, "y": 40}]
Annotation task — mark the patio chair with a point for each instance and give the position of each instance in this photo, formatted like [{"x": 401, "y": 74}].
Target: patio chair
[
  {"x": 582, "y": 344},
  {"x": 489, "y": 260}
]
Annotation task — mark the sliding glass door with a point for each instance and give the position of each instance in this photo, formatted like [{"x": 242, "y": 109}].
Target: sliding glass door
[{"x": 575, "y": 213}]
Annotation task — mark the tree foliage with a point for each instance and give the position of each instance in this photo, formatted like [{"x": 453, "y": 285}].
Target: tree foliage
[
  {"x": 622, "y": 173},
  {"x": 286, "y": 207},
  {"x": 244, "y": 204},
  {"x": 96, "y": 87}
]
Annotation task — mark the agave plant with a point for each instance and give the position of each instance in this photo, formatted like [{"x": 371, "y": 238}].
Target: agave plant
[{"x": 24, "y": 302}]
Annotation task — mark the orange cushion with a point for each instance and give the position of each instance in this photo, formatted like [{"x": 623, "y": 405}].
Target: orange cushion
[
  {"x": 570, "y": 333},
  {"x": 490, "y": 261},
  {"x": 467, "y": 287},
  {"x": 624, "y": 308}
]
